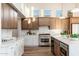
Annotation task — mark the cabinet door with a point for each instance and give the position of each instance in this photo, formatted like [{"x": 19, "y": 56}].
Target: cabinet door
[
  {"x": 52, "y": 23},
  {"x": 9, "y": 17},
  {"x": 2, "y": 16},
  {"x": 44, "y": 21},
  {"x": 35, "y": 24},
  {"x": 32, "y": 25},
  {"x": 15, "y": 19},
  {"x": 64, "y": 24},
  {"x": 58, "y": 23},
  {"x": 24, "y": 24},
  {"x": 74, "y": 20},
  {"x": 56, "y": 47},
  {"x": 55, "y": 23},
  {"x": 6, "y": 16}
]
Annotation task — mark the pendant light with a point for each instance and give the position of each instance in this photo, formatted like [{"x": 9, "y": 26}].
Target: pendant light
[
  {"x": 29, "y": 21},
  {"x": 62, "y": 17},
  {"x": 33, "y": 19}
]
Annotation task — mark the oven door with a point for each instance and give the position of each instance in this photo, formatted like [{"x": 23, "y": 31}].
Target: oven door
[{"x": 44, "y": 40}]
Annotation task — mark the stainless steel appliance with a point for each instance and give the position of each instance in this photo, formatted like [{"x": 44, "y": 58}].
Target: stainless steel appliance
[
  {"x": 64, "y": 49},
  {"x": 44, "y": 40}
]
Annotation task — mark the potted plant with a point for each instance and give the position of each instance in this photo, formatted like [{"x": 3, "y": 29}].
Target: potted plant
[
  {"x": 75, "y": 36},
  {"x": 64, "y": 34}
]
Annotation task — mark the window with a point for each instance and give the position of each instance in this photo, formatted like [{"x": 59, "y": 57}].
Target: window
[
  {"x": 58, "y": 12},
  {"x": 47, "y": 12},
  {"x": 36, "y": 12}
]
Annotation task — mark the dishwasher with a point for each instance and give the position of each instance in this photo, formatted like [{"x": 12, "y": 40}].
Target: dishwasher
[{"x": 64, "y": 49}]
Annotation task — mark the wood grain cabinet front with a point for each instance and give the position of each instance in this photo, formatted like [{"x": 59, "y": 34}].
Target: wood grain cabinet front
[
  {"x": 56, "y": 23},
  {"x": 44, "y": 21},
  {"x": 56, "y": 47},
  {"x": 32, "y": 26},
  {"x": 59, "y": 48},
  {"x": 8, "y": 17}
]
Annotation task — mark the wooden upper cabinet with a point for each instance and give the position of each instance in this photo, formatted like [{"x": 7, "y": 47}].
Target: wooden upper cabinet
[
  {"x": 15, "y": 19},
  {"x": 2, "y": 16},
  {"x": 56, "y": 23},
  {"x": 5, "y": 16},
  {"x": 9, "y": 17},
  {"x": 74, "y": 20},
  {"x": 35, "y": 24},
  {"x": 52, "y": 23},
  {"x": 44, "y": 21},
  {"x": 24, "y": 24},
  {"x": 65, "y": 24},
  {"x": 32, "y": 25}
]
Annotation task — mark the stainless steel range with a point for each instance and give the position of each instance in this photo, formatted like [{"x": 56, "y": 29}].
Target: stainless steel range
[{"x": 44, "y": 40}]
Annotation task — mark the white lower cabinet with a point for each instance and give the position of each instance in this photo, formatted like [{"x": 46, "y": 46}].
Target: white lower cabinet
[
  {"x": 15, "y": 49},
  {"x": 31, "y": 40}
]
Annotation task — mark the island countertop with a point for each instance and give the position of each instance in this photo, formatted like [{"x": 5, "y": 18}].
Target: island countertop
[
  {"x": 67, "y": 41},
  {"x": 73, "y": 44}
]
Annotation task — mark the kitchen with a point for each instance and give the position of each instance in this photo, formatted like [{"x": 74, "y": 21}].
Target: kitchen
[{"x": 39, "y": 29}]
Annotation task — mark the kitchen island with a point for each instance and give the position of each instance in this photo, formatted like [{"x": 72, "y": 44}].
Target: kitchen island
[
  {"x": 65, "y": 45},
  {"x": 12, "y": 48}
]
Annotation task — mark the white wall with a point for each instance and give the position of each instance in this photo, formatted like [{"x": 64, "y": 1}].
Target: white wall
[
  {"x": 33, "y": 40},
  {"x": 26, "y": 8},
  {"x": 53, "y": 6},
  {"x": 42, "y": 6}
]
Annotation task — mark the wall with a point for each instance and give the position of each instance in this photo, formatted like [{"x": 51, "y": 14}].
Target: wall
[
  {"x": 53, "y": 6},
  {"x": 33, "y": 40}
]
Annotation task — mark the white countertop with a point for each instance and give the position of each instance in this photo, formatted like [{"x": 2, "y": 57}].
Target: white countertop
[
  {"x": 10, "y": 42},
  {"x": 66, "y": 40},
  {"x": 73, "y": 45}
]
